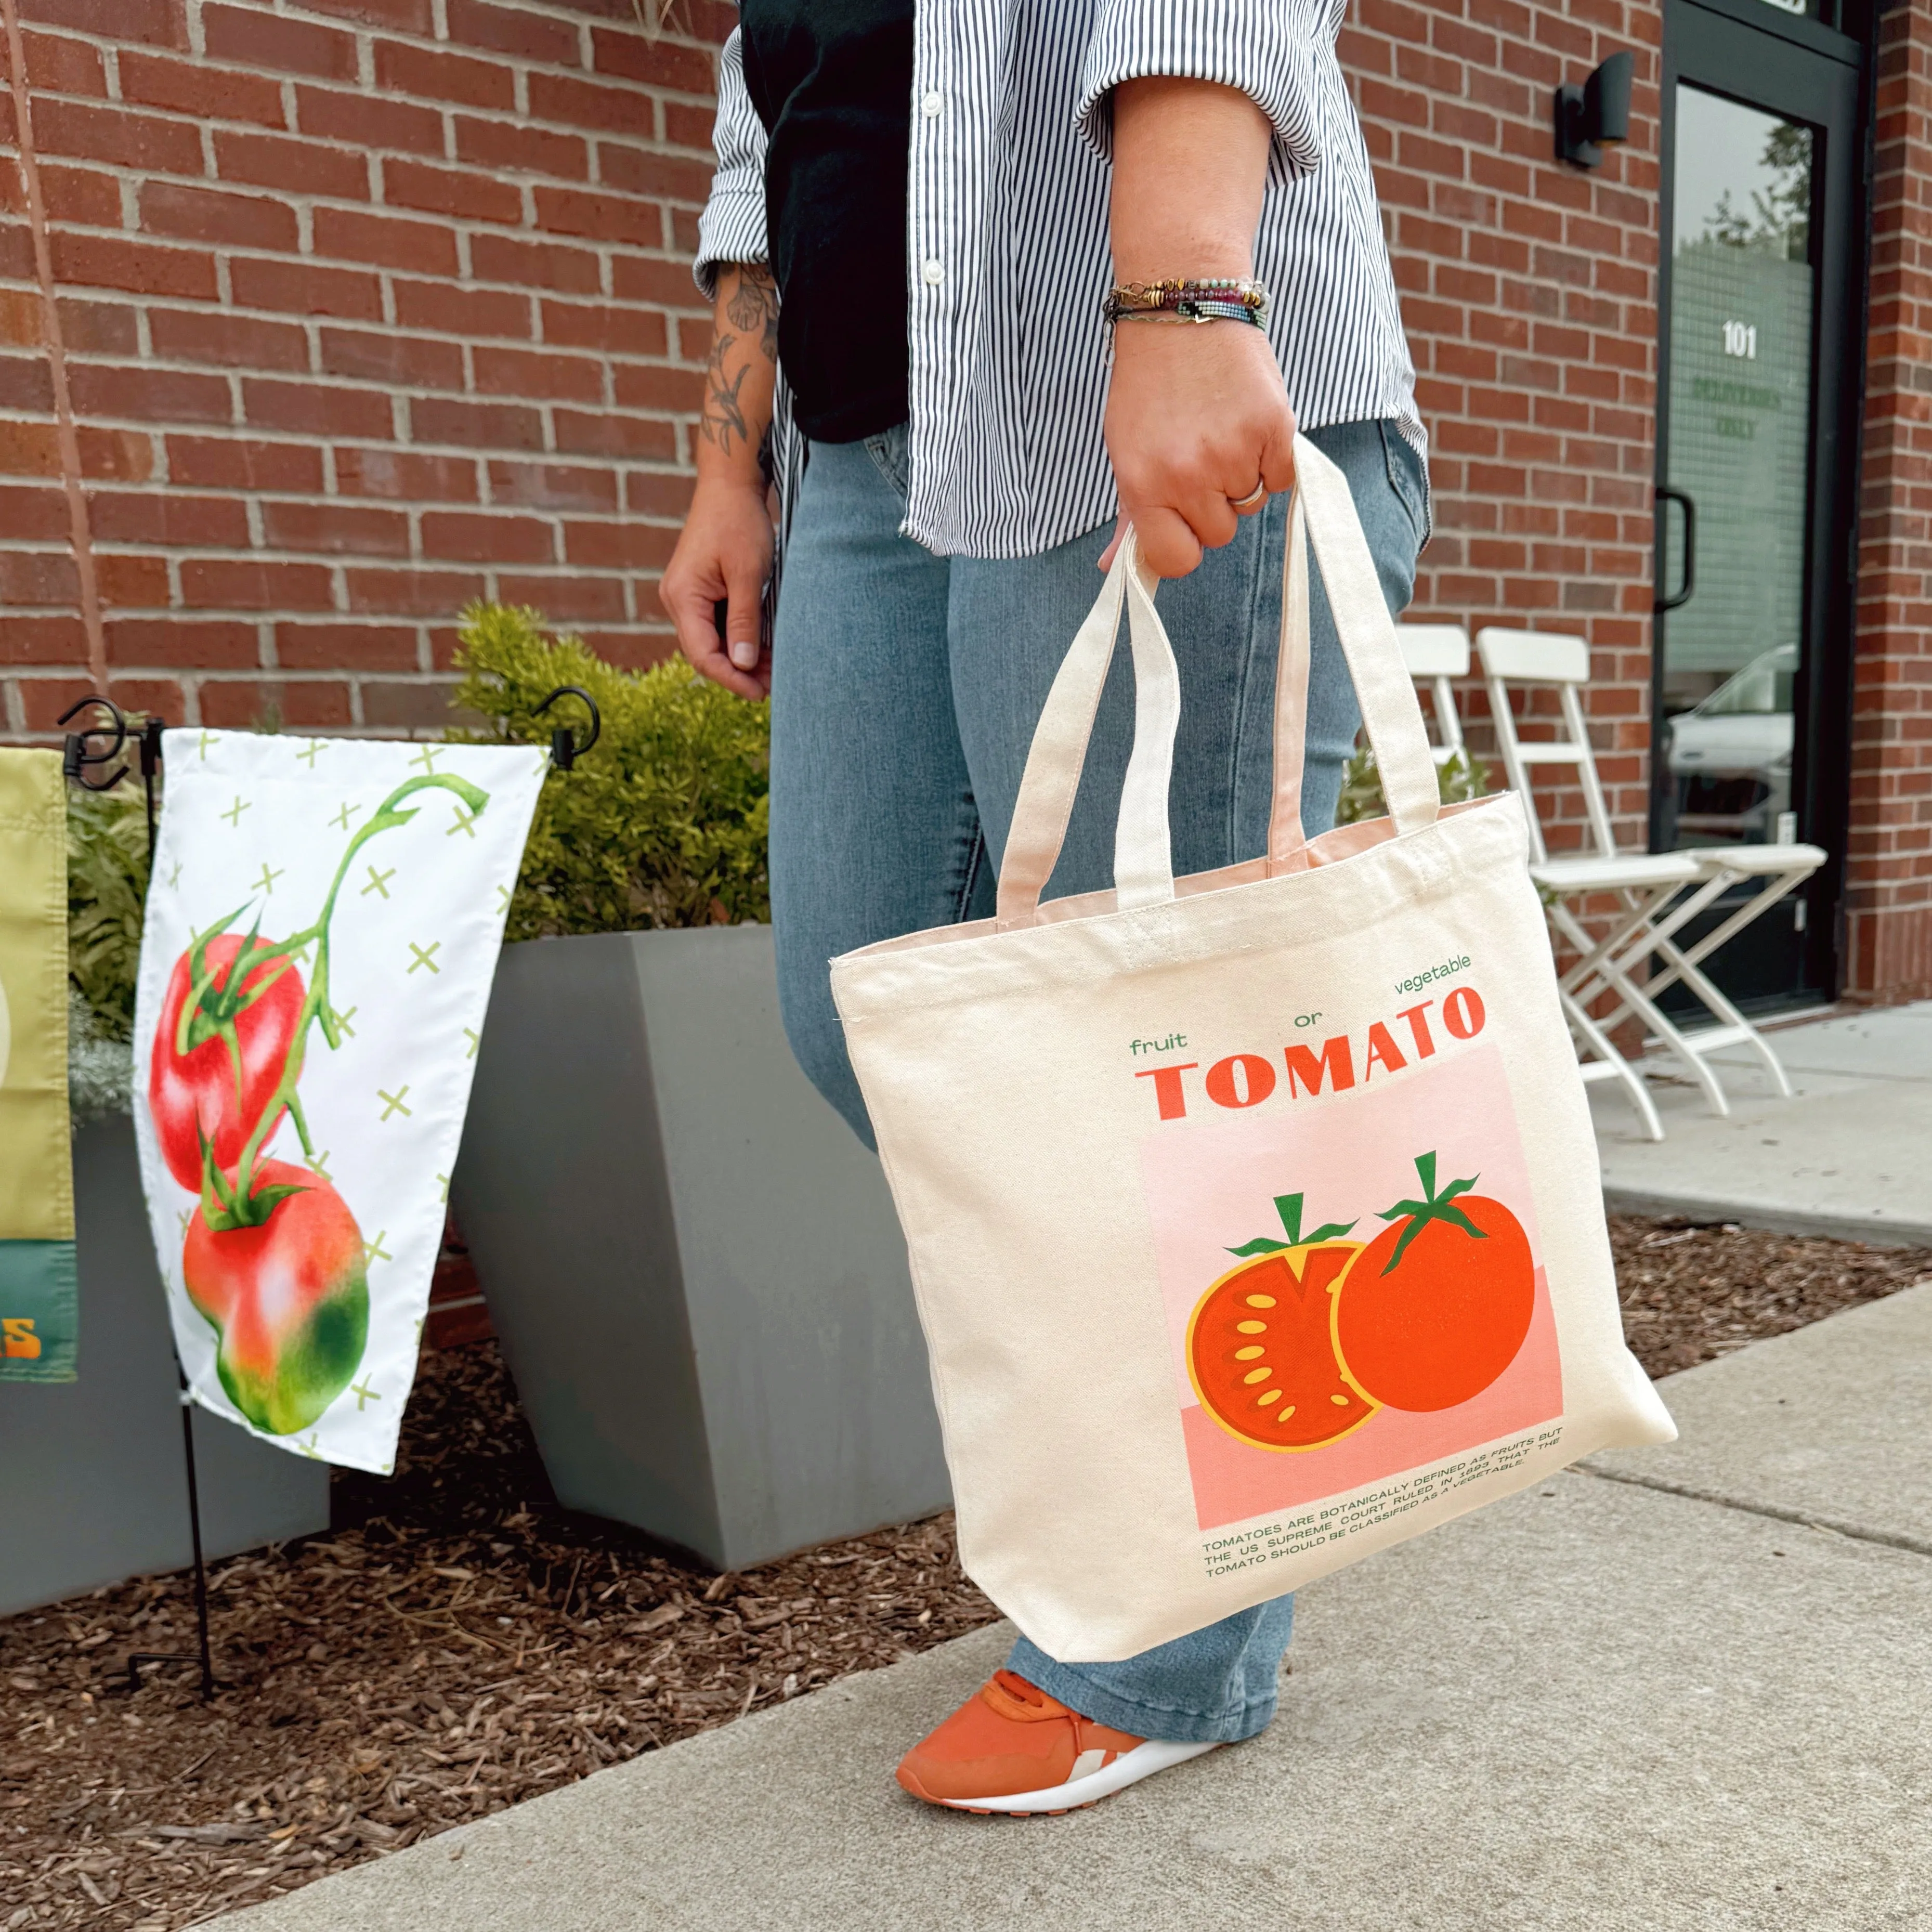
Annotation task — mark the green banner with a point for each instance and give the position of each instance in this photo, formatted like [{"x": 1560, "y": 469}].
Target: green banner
[
  {"x": 39, "y": 1319},
  {"x": 37, "y": 1343}
]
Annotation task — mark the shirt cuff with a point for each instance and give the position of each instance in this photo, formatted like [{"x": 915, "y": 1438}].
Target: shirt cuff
[
  {"x": 731, "y": 229},
  {"x": 1247, "y": 45}
]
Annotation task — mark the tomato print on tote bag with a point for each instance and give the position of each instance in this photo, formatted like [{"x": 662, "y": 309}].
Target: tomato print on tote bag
[{"x": 1413, "y": 1322}]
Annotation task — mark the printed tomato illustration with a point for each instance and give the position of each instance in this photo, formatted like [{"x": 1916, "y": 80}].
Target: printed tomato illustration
[
  {"x": 1435, "y": 1307},
  {"x": 289, "y": 1296},
  {"x": 219, "y": 1059},
  {"x": 1261, "y": 1350}
]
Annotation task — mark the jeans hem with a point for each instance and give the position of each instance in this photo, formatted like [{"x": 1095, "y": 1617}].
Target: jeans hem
[{"x": 1138, "y": 1717}]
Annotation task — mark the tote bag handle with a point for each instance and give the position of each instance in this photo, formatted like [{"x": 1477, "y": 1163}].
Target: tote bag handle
[{"x": 1322, "y": 515}]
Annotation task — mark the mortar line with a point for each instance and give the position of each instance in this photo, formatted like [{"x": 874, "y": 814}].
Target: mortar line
[
  {"x": 66, "y": 434},
  {"x": 1857, "y": 1532}
]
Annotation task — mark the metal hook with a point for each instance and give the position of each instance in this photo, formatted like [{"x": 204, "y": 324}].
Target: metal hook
[
  {"x": 565, "y": 751},
  {"x": 77, "y": 758},
  {"x": 151, "y": 766}
]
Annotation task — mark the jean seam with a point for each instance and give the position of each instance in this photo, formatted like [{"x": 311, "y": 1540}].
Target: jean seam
[
  {"x": 1398, "y": 483},
  {"x": 879, "y": 449},
  {"x": 975, "y": 852}
]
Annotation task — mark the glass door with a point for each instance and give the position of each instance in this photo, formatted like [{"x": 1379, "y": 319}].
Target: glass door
[
  {"x": 1738, "y": 475},
  {"x": 1760, "y": 305}
]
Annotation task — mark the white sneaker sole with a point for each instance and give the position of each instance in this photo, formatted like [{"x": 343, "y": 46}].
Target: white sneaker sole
[{"x": 1130, "y": 1768}]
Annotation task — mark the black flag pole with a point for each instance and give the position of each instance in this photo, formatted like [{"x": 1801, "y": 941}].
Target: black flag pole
[{"x": 80, "y": 761}]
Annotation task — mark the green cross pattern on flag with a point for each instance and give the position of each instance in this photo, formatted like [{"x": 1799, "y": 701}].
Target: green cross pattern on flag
[{"x": 304, "y": 1049}]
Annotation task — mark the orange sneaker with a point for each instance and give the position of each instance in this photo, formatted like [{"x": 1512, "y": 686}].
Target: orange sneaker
[{"x": 1011, "y": 1747}]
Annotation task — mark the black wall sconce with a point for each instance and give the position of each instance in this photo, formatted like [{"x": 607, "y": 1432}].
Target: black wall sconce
[{"x": 1596, "y": 115}]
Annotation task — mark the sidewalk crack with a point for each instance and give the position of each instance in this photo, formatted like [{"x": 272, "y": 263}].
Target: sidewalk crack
[{"x": 1804, "y": 1519}]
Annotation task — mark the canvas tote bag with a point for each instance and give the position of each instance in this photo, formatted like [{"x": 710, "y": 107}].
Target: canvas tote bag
[{"x": 1255, "y": 1217}]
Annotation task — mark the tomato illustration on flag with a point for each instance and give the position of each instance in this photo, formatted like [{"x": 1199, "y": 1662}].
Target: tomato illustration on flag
[
  {"x": 221, "y": 1049},
  {"x": 288, "y": 1350},
  {"x": 272, "y": 1256}
]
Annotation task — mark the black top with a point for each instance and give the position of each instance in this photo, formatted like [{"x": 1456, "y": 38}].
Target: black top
[{"x": 832, "y": 81}]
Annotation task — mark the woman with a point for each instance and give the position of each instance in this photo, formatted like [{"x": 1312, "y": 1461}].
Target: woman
[{"x": 920, "y": 216}]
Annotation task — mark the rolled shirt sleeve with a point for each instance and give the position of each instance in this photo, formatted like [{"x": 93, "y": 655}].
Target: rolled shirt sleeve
[
  {"x": 1267, "y": 49},
  {"x": 732, "y": 228}
]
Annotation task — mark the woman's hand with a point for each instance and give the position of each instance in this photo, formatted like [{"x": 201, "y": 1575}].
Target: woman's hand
[
  {"x": 1197, "y": 418},
  {"x": 724, "y": 554}
]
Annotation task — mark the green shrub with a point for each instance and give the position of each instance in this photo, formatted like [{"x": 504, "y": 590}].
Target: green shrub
[
  {"x": 106, "y": 884},
  {"x": 1458, "y": 778},
  {"x": 100, "y": 1067},
  {"x": 663, "y": 823}
]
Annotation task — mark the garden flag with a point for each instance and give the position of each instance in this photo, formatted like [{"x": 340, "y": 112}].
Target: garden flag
[
  {"x": 322, "y": 928},
  {"x": 38, "y": 1317}
]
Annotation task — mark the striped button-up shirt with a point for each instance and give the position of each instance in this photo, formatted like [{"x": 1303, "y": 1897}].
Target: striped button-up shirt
[{"x": 1008, "y": 246}]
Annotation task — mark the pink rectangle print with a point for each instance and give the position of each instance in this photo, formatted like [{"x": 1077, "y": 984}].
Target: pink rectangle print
[{"x": 1211, "y": 1187}]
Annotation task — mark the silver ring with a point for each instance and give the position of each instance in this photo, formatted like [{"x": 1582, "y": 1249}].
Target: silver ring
[{"x": 1253, "y": 499}]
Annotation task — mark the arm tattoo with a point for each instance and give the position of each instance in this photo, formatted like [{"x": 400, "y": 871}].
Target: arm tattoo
[
  {"x": 754, "y": 304},
  {"x": 751, "y": 306},
  {"x": 724, "y": 417}
]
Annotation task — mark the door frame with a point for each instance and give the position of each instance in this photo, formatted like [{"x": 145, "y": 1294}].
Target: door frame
[{"x": 1796, "y": 66}]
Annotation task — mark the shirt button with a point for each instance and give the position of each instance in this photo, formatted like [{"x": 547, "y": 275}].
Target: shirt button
[
  {"x": 933, "y": 106},
  {"x": 933, "y": 270}
]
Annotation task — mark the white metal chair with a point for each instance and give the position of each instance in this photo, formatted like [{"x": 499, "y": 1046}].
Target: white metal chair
[
  {"x": 1643, "y": 881},
  {"x": 1777, "y": 870},
  {"x": 1435, "y": 655}
]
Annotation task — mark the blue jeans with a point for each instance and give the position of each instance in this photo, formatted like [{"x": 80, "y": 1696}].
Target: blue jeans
[{"x": 905, "y": 690}]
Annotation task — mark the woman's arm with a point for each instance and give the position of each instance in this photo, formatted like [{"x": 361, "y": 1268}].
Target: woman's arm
[
  {"x": 1196, "y": 412},
  {"x": 724, "y": 554}
]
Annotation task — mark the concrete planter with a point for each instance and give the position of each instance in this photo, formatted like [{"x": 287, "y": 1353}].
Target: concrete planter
[
  {"x": 693, "y": 1267},
  {"x": 93, "y": 1491}
]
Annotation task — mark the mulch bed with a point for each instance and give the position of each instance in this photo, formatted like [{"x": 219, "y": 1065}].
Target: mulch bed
[
  {"x": 459, "y": 1643},
  {"x": 1692, "y": 1292}
]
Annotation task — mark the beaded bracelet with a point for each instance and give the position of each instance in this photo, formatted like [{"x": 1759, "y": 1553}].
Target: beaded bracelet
[
  {"x": 1191, "y": 311},
  {"x": 1225, "y": 300}
]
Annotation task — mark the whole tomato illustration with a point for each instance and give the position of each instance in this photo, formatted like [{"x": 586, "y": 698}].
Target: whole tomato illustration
[
  {"x": 1435, "y": 1307},
  {"x": 1261, "y": 1350},
  {"x": 220, "y": 1051},
  {"x": 289, "y": 1296}
]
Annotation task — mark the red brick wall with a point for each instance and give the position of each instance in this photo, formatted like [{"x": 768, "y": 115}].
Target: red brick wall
[
  {"x": 375, "y": 306},
  {"x": 1889, "y": 904},
  {"x": 1529, "y": 291},
  {"x": 371, "y": 307}
]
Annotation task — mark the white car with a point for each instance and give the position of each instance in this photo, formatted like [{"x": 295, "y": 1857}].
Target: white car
[{"x": 1729, "y": 757}]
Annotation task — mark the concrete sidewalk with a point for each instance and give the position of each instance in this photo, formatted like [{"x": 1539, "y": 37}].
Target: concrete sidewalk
[
  {"x": 1641, "y": 1697},
  {"x": 1850, "y": 1156}
]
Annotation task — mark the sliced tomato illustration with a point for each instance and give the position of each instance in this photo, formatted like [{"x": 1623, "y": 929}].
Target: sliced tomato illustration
[
  {"x": 1260, "y": 1345},
  {"x": 1436, "y": 1306}
]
